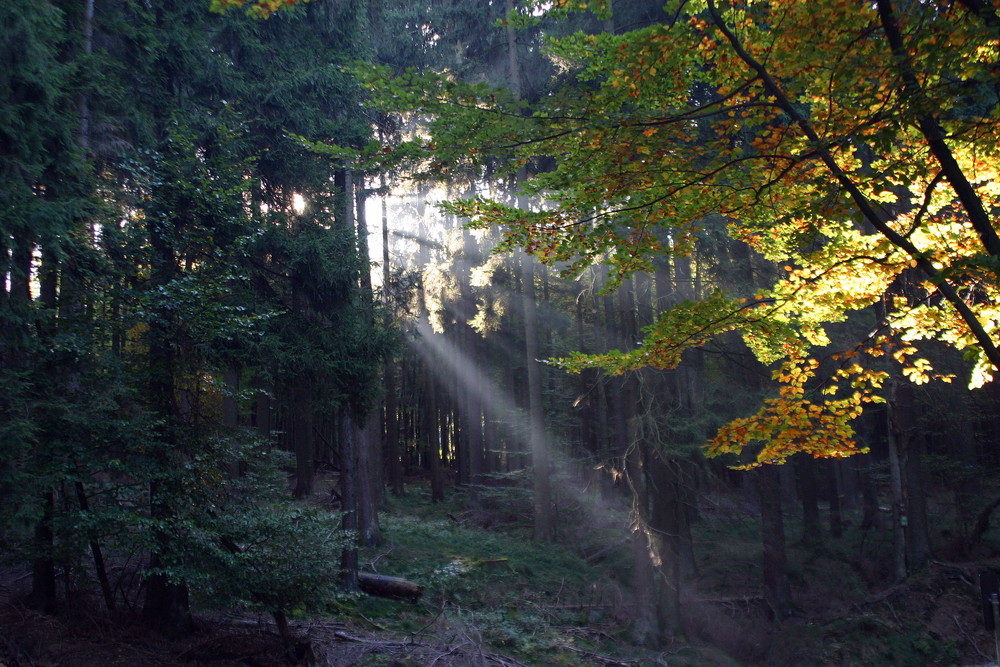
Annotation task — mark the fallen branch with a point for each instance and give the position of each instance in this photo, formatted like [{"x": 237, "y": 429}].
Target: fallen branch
[
  {"x": 604, "y": 660},
  {"x": 745, "y": 599},
  {"x": 972, "y": 641}
]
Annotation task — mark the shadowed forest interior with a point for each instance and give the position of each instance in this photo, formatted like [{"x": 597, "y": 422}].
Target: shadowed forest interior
[{"x": 598, "y": 332}]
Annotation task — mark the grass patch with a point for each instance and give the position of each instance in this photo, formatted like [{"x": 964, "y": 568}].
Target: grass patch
[{"x": 540, "y": 602}]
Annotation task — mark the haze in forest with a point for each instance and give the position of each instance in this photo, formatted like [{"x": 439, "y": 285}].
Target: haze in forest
[{"x": 610, "y": 332}]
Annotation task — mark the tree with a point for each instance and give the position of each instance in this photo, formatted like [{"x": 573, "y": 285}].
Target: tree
[
  {"x": 151, "y": 260},
  {"x": 847, "y": 144}
]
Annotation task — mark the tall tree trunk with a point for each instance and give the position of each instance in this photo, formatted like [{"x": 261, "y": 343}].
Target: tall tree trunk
[
  {"x": 43, "y": 568},
  {"x": 303, "y": 440},
  {"x": 435, "y": 442},
  {"x": 231, "y": 410},
  {"x": 393, "y": 455},
  {"x": 369, "y": 530},
  {"x": 367, "y": 437},
  {"x": 543, "y": 519},
  {"x": 899, "y": 518},
  {"x": 83, "y": 104},
  {"x": 777, "y": 590},
  {"x": 812, "y": 532},
  {"x": 468, "y": 389},
  {"x": 850, "y": 485},
  {"x": 688, "y": 395},
  {"x": 667, "y": 525},
  {"x": 434, "y": 420},
  {"x": 262, "y": 417},
  {"x": 95, "y": 549},
  {"x": 644, "y": 628},
  {"x": 349, "y": 475},
  {"x": 834, "y": 495},
  {"x": 871, "y": 516},
  {"x": 911, "y": 449},
  {"x": 618, "y": 406}
]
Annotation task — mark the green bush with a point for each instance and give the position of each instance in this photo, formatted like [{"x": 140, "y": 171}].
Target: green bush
[{"x": 246, "y": 542}]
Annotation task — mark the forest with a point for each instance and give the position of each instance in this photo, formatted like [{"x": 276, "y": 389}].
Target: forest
[{"x": 499, "y": 332}]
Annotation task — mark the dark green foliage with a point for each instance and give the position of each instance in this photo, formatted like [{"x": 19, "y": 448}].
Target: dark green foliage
[
  {"x": 149, "y": 246},
  {"x": 242, "y": 540}
]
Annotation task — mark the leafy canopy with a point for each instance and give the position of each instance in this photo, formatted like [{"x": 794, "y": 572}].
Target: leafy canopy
[{"x": 854, "y": 144}]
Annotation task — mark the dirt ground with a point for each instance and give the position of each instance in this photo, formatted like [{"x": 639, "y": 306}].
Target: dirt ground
[{"x": 81, "y": 639}]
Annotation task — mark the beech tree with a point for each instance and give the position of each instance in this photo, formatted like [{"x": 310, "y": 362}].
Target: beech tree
[{"x": 853, "y": 145}]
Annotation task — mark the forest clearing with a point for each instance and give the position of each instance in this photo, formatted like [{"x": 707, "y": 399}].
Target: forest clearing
[{"x": 521, "y": 332}]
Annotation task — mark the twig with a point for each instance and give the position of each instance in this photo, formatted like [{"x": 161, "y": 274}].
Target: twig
[
  {"x": 595, "y": 656},
  {"x": 883, "y": 596},
  {"x": 16, "y": 609},
  {"x": 23, "y": 576},
  {"x": 581, "y": 606},
  {"x": 746, "y": 599},
  {"x": 18, "y": 653},
  {"x": 894, "y": 614},
  {"x": 373, "y": 623},
  {"x": 506, "y": 662},
  {"x": 414, "y": 634},
  {"x": 971, "y": 640},
  {"x": 374, "y": 561},
  {"x": 450, "y": 651},
  {"x": 211, "y": 640}
]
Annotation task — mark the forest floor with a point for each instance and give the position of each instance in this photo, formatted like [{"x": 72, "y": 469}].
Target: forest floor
[
  {"x": 493, "y": 597},
  {"x": 30, "y": 639}
]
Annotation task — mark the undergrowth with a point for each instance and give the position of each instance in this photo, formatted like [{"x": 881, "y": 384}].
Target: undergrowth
[
  {"x": 487, "y": 583},
  {"x": 541, "y": 603}
]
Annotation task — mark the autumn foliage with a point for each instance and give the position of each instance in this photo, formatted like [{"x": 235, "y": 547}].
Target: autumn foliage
[{"x": 850, "y": 143}]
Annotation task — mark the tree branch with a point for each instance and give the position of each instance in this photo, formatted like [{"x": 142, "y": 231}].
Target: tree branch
[
  {"x": 935, "y": 136},
  {"x": 860, "y": 200}
]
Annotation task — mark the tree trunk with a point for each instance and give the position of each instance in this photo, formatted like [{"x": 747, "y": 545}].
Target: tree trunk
[
  {"x": 615, "y": 388},
  {"x": 871, "y": 516},
  {"x": 833, "y": 488},
  {"x": 43, "y": 567},
  {"x": 393, "y": 452},
  {"x": 916, "y": 502},
  {"x": 434, "y": 440},
  {"x": 812, "y": 532},
  {"x": 467, "y": 388},
  {"x": 644, "y": 629},
  {"x": 303, "y": 440},
  {"x": 899, "y": 518},
  {"x": 369, "y": 531},
  {"x": 777, "y": 590},
  {"x": 667, "y": 525},
  {"x": 543, "y": 520},
  {"x": 95, "y": 549},
  {"x": 902, "y": 425},
  {"x": 83, "y": 104},
  {"x": 393, "y": 455},
  {"x": 349, "y": 502}
]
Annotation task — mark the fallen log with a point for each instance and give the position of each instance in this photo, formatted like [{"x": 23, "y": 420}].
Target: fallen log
[{"x": 383, "y": 586}]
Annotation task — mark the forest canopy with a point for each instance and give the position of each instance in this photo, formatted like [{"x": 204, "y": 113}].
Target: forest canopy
[{"x": 855, "y": 145}]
